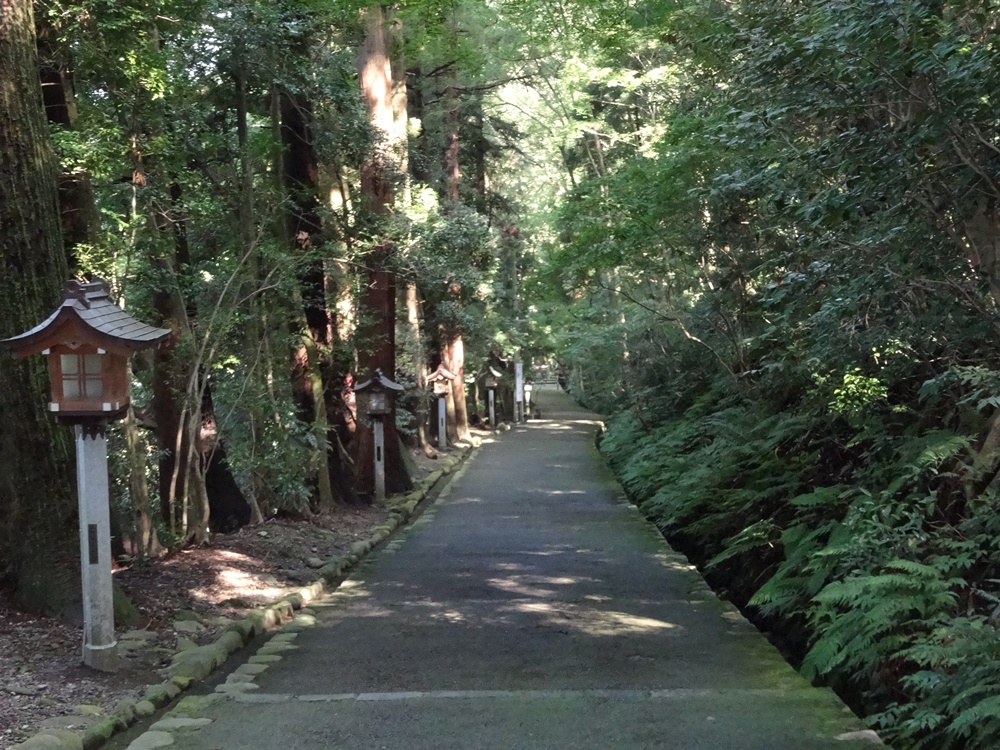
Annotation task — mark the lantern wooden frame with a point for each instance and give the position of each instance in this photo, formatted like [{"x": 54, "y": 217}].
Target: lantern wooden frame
[
  {"x": 374, "y": 394},
  {"x": 87, "y": 324},
  {"x": 440, "y": 380}
]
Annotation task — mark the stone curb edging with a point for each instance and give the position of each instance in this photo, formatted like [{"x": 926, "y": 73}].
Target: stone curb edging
[{"x": 195, "y": 665}]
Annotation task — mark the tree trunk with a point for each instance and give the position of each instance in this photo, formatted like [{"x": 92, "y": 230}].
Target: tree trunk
[
  {"x": 453, "y": 358},
  {"x": 170, "y": 376},
  {"x": 377, "y": 332},
  {"x": 147, "y": 541},
  {"x": 452, "y": 344},
  {"x": 300, "y": 176},
  {"x": 399, "y": 135},
  {"x": 414, "y": 319},
  {"x": 36, "y": 499}
]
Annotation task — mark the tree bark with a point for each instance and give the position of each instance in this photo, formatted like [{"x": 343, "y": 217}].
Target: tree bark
[
  {"x": 310, "y": 364},
  {"x": 170, "y": 376},
  {"x": 414, "y": 319},
  {"x": 378, "y": 300},
  {"x": 147, "y": 541},
  {"x": 36, "y": 499},
  {"x": 453, "y": 358}
]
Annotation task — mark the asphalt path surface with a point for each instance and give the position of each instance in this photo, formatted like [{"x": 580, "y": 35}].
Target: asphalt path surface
[{"x": 532, "y": 608}]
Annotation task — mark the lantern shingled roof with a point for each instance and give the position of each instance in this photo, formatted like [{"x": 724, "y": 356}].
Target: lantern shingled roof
[
  {"x": 440, "y": 374},
  {"x": 89, "y": 304},
  {"x": 378, "y": 379}
]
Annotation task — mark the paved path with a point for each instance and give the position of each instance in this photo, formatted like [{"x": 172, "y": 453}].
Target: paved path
[{"x": 531, "y": 609}]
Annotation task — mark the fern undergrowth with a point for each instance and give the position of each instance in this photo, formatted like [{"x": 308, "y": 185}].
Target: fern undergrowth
[{"x": 870, "y": 543}]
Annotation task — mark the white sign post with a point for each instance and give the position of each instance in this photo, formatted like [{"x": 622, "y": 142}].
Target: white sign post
[
  {"x": 99, "y": 645},
  {"x": 443, "y": 423},
  {"x": 379, "y": 430},
  {"x": 519, "y": 392}
]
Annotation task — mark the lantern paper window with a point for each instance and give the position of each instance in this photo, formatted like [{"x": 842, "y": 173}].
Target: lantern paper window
[
  {"x": 378, "y": 403},
  {"x": 81, "y": 377}
]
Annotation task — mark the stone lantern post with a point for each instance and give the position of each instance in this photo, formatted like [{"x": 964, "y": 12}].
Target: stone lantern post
[
  {"x": 492, "y": 381},
  {"x": 440, "y": 380},
  {"x": 376, "y": 394},
  {"x": 88, "y": 340}
]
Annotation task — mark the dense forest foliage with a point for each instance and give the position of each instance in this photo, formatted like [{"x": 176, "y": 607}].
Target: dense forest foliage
[
  {"x": 302, "y": 193},
  {"x": 780, "y": 258},
  {"x": 763, "y": 237}
]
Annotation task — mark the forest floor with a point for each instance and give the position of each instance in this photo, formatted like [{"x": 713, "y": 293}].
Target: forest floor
[{"x": 184, "y": 599}]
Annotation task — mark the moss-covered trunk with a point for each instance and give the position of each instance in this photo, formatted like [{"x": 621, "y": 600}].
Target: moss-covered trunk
[{"x": 36, "y": 498}]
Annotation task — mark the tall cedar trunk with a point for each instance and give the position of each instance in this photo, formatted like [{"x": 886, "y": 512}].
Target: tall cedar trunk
[
  {"x": 36, "y": 499},
  {"x": 480, "y": 147},
  {"x": 399, "y": 136},
  {"x": 300, "y": 174},
  {"x": 452, "y": 166},
  {"x": 257, "y": 334},
  {"x": 77, "y": 207},
  {"x": 378, "y": 300},
  {"x": 178, "y": 393},
  {"x": 414, "y": 318},
  {"x": 512, "y": 241},
  {"x": 453, "y": 358},
  {"x": 452, "y": 344}
]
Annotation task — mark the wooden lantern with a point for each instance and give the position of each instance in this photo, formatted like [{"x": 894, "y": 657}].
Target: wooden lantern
[
  {"x": 493, "y": 377},
  {"x": 375, "y": 394},
  {"x": 378, "y": 405},
  {"x": 440, "y": 379},
  {"x": 88, "y": 340}
]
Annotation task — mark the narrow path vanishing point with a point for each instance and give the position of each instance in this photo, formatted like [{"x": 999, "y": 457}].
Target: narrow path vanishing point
[{"x": 530, "y": 608}]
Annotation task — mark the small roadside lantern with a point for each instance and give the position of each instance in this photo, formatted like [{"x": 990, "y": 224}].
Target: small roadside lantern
[
  {"x": 376, "y": 402},
  {"x": 88, "y": 340},
  {"x": 441, "y": 379},
  {"x": 492, "y": 381}
]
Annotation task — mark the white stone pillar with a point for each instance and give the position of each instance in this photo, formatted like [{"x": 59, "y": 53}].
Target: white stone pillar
[
  {"x": 442, "y": 423},
  {"x": 518, "y": 392},
  {"x": 493, "y": 407},
  {"x": 379, "y": 430},
  {"x": 100, "y": 650}
]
